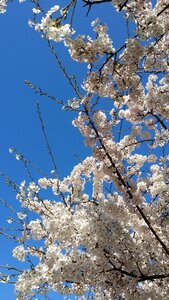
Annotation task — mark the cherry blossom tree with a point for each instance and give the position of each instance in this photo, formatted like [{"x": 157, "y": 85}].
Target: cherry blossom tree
[{"x": 106, "y": 235}]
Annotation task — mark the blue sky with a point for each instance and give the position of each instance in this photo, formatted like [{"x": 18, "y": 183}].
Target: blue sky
[{"x": 25, "y": 56}]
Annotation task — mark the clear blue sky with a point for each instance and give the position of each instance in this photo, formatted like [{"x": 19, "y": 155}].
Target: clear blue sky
[{"x": 25, "y": 55}]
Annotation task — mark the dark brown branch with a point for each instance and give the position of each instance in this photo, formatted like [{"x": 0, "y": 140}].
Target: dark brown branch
[
  {"x": 137, "y": 142},
  {"x": 152, "y": 229},
  {"x": 107, "y": 154},
  {"x": 159, "y": 120},
  {"x": 152, "y": 277},
  {"x": 123, "y": 5},
  {"x": 141, "y": 278},
  {"x": 125, "y": 185},
  {"x": 165, "y": 8},
  {"x": 90, "y": 2}
]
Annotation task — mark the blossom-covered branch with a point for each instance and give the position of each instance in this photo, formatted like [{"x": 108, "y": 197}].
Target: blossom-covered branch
[{"x": 103, "y": 234}]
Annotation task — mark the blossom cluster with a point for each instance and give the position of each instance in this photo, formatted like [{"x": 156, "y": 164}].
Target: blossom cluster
[
  {"x": 89, "y": 50},
  {"x": 50, "y": 29},
  {"x": 3, "y": 5},
  {"x": 104, "y": 233},
  {"x": 94, "y": 242}
]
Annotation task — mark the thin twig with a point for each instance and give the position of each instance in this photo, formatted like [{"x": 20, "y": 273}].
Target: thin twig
[{"x": 46, "y": 138}]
